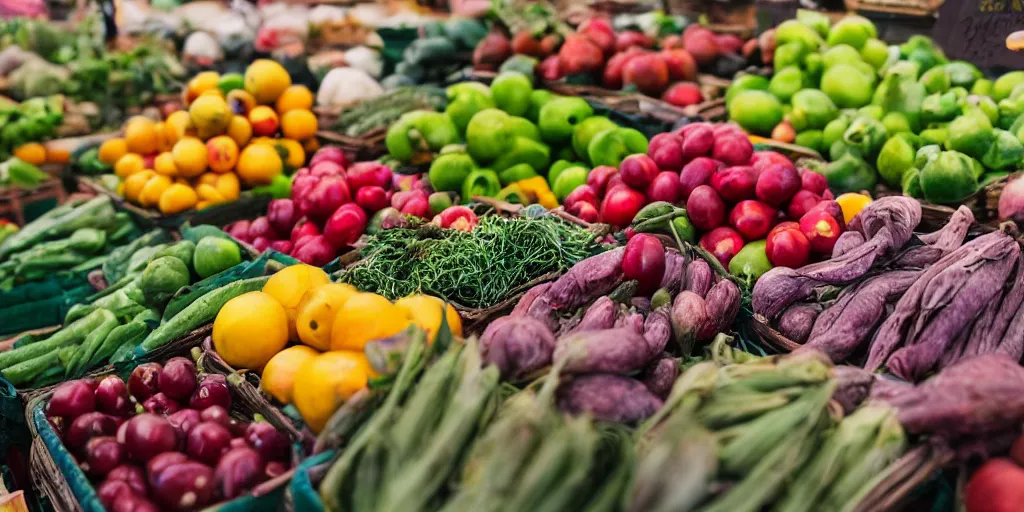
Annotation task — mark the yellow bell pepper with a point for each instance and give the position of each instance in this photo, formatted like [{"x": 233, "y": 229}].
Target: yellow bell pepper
[{"x": 538, "y": 191}]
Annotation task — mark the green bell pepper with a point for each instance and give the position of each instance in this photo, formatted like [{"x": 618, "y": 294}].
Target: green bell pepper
[
  {"x": 420, "y": 132},
  {"x": 850, "y": 173},
  {"x": 482, "y": 182}
]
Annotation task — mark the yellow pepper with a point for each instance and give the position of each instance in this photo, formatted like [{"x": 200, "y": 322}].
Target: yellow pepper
[{"x": 538, "y": 191}]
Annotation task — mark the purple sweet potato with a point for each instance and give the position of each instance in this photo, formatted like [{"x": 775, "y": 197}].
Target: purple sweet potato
[
  {"x": 621, "y": 350},
  {"x": 587, "y": 280},
  {"x": 847, "y": 241},
  {"x": 699, "y": 277},
  {"x": 949, "y": 304},
  {"x": 612, "y": 398},
  {"x": 602, "y": 314},
  {"x": 657, "y": 330},
  {"x": 844, "y": 326},
  {"x": 999, "y": 332},
  {"x": 660, "y": 375},
  {"x": 1012, "y": 344},
  {"x": 796, "y": 321},
  {"x": 523, "y": 306},
  {"x": 722, "y": 303},
  {"x": 675, "y": 271},
  {"x": 517, "y": 345},
  {"x": 952, "y": 234},
  {"x": 853, "y": 385},
  {"x": 689, "y": 316}
]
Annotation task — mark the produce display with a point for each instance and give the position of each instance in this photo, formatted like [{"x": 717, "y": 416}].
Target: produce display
[
  {"x": 377, "y": 114},
  {"x": 901, "y": 115},
  {"x": 26, "y": 124},
  {"x": 443, "y": 49}
]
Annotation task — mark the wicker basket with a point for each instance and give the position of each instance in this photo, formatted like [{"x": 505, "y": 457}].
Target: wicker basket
[
  {"x": 902, "y": 7},
  {"x": 369, "y": 146}
]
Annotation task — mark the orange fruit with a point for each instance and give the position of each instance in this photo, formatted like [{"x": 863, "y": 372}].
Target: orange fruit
[
  {"x": 300, "y": 124},
  {"x": 258, "y": 164},
  {"x": 263, "y": 120},
  {"x": 223, "y": 153},
  {"x": 425, "y": 311},
  {"x": 153, "y": 190},
  {"x": 177, "y": 126},
  {"x": 210, "y": 115},
  {"x": 294, "y": 97},
  {"x": 296, "y": 155},
  {"x": 240, "y": 102},
  {"x": 311, "y": 145},
  {"x": 249, "y": 330},
  {"x": 177, "y": 198},
  {"x": 279, "y": 374},
  {"x": 190, "y": 157},
  {"x": 199, "y": 84},
  {"x": 133, "y": 184},
  {"x": 33, "y": 153},
  {"x": 240, "y": 130},
  {"x": 140, "y": 136},
  {"x": 129, "y": 164},
  {"x": 290, "y": 284},
  {"x": 164, "y": 164},
  {"x": 326, "y": 381},
  {"x": 266, "y": 80},
  {"x": 112, "y": 150},
  {"x": 228, "y": 186},
  {"x": 365, "y": 317}
]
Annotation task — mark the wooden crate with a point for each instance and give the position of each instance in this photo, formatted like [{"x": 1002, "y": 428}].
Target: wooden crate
[{"x": 14, "y": 199}]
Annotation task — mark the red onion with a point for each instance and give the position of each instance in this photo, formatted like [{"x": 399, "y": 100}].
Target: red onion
[
  {"x": 158, "y": 464},
  {"x": 178, "y": 378},
  {"x": 267, "y": 440},
  {"x": 238, "y": 471},
  {"x": 88, "y": 426},
  {"x": 274, "y": 469},
  {"x": 212, "y": 390},
  {"x": 112, "y": 397},
  {"x": 216, "y": 414},
  {"x": 131, "y": 475},
  {"x": 148, "y": 435},
  {"x": 110, "y": 490},
  {"x": 133, "y": 503},
  {"x": 58, "y": 424},
  {"x": 207, "y": 442},
  {"x": 103, "y": 454},
  {"x": 142, "y": 383},
  {"x": 161, "y": 404},
  {"x": 184, "y": 486},
  {"x": 238, "y": 442},
  {"x": 71, "y": 400},
  {"x": 644, "y": 260},
  {"x": 184, "y": 420}
]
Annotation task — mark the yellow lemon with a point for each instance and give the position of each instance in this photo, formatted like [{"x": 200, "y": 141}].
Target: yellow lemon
[
  {"x": 207, "y": 178},
  {"x": 258, "y": 164},
  {"x": 300, "y": 124},
  {"x": 112, "y": 150},
  {"x": 133, "y": 184},
  {"x": 266, "y": 80},
  {"x": 852, "y": 203},
  {"x": 279, "y": 374},
  {"x": 294, "y": 97},
  {"x": 190, "y": 157},
  {"x": 250, "y": 329},
  {"x": 296, "y": 155},
  {"x": 325, "y": 382},
  {"x": 177, "y": 126},
  {"x": 365, "y": 317},
  {"x": 199, "y": 84},
  {"x": 153, "y": 190},
  {"x": 240, "y": 130},
  {"x": 290, "y": 284},
  {"x": 210, "y": 115},
  {"x": 209, "y": 194},
  {"x": 164, "y": 164},
  {"x": 140, "y": 136},
  {"x": 317, "y": 311},
  {"x": 129, "y": 164},
  {"x": 228, "y": 186},
  {"x": 425, "y": 311},
  {"x": 177, "y": 198}
]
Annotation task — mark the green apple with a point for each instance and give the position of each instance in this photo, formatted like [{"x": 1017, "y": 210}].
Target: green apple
[
  {"x": 511, "y": 91},
  {"x": 611, "y": 146},
  {"x": 586, "y": 131},
  {"x": 559, "y": 117},
  {"x": 568, "y": 180},
  {"x": 487, "y": 135},
  {"x": 523, "y": 151},
  {"x": 538, "y": 99}
]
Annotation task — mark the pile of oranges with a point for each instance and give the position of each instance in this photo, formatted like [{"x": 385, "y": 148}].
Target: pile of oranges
[{"x": 236, "y": 132}]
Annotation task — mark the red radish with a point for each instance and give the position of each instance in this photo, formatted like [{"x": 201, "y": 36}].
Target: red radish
[
  {"x": 787, "y": 246},
  {"x": 329, "y": 154},
  {"x": 148, "y": 435},
  {"x": 997, "y": 486},
  {"x": 664, "y": 187},
  {"x": 112, "y": 397},
  {"x": 238, "y": 471},
  {"x": 666, "y": 149},
  {"x": 267, "y": 440},
  {"x": 733, "y": 150},
  {"x": 723, "y": 243},
  {"x": 705, "y": 208},
  {"x": 161, "y": 404},
  {"x": 735, "y": 183},
  {"x": 752, "y": 219},
  {"x": 702, "y": 45},
  {"x": 698, "y": 140},
  {"x": 207, "y": 442},
  {"x": 611, "y": 78},
  {"x": 672, "y": 42},
  {"x": 777, "y": 183},
  {"x": 345, "y": 226},
  {"x": 821, "y": 230},
  {"x": 585, "y": 212},
  {"x": 274, "y": 469},
  {"x": 829, "y": 196},
  {"x": 620, "y": 205},
  {"x": 810, "y": 180},
  {"x": 683, "y": 94},
  {"x": 103, "y": 454},
  {"x": 644, "y": 261},
  {"x": 762, "y": 159},
  {"x": 550, "y": 69},
  {"x": 239, "y": 230},
  {"x": 302, "y": 185},
  {"x": 368, "y": 174},
  {"x": 132, "y": 503},
  {"x": 630, "y": 38},
  {"x": 456, "y": 217},
  {"x": 237, "y": 442},
  {"x": 372, "y": 198},
  {"x": 110, "y": 490},
  {"x": 324, "y": 169},
  {"x": 212, "y": 390},
  {"x": 216, "y": 414},
  {"x": 314, "y": 250},
  {"x": 614, "y": 182},
  {"x": 71, "y": 400},
  {"x": 88, "y": 426},
  {"x": 185, "y": 486},
  {"x": 260, "y": 228},
  {"x": 681, "y": 66},
  {"x": 326, "y": 197},
  {"x": 303, "y": 228},
  {"x": 599, "y": 177},
  {"x": 637, "y": 171},
  {"x": 161, "y": 462},
  {"x": 184, "y": 421},
  {"x": 131, "y": 475},
  {"x": 282, "y": 215},
  {"x": 584, "y": 193},
  {"x": 579, "y": 55},
  {"x": 801, "y": 203},
  {"x": 177, "y": 380},
  {"x": 833, "y": 209},
  {"x": 696, "y": 173},
  {"x": 647, "y": 72},
  {"x": 600, "y": 32},
  {"x": 281, "y": 246},
  {"x": 408, "y": 202},
  {"x": 261, "y": 244}
]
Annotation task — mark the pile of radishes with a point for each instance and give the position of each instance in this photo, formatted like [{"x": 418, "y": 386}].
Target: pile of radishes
[
  {"x": 165, "y": 440},
  {"x": 732, "y": 194},
  {"x": 330, "y": 205}
]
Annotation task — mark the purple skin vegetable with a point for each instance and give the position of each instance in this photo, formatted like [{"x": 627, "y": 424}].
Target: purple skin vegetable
[
  {"x": 846, "y": 242},
  {"x": 939, "y": 243},
  {"x": 675, "y": 271},
  {"x": 600, "y": 315},
  {"x": 949, "y": 304},
  {"x": 1000, "y": 334},
  {"x": 699, "y": 277},
  {"x": 631, "y": 321},
  {"x": 657, "y": 330},
  {"x": 689, "y": 316},
  {"x": 795, "y": 322},
  {"x": 660, "y": 376},
  {"x": 612, "y": 398},
  {"x": 1013, "y": 342},
  {"x": 517, "y": 345},
  {"x": 523, "y": 306},
  {"x": 722, "y": 303},
  {"x": 621, "y": 350},
  {"x": 587, "y": 280}
]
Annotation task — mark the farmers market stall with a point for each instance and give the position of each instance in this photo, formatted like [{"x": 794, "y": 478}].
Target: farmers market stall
[{"x": 385, "y": 258}]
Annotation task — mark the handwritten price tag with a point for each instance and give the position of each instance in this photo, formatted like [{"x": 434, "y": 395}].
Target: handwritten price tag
[{"x": 976, "y": 30}]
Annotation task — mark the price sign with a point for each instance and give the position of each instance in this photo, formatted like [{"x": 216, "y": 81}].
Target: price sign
[{"x": 976, "y": 30}]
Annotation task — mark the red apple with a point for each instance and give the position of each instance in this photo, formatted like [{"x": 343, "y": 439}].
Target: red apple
[
  {"x": 705, "y": 208},
  {"x": 681, "y": 65},
  {"x": 723, "y": 242},
  {"x": 801, "y": 203},
  {"x": 647, "y": 72},
  {"x": 787, "y": 246},
  {"x": 664, "y": 187},
  {"x": 550, "y": 68},
  {"x": 696, "y": 173},
  {"x": 810, "y": 180},
  {"x": 600, "y": 32},
  {"x": 683, "y": 94},
  {"x": 585, "y": 211},
  {"x": 620, "y": 205},
  {"x": 584, "y": 193},
  {"x": 777, "y": 183},
  {"x": 580, "y": 55},
  {"x": 672, "y": 42},
  {"x": 752, "y": 219},
  {"x": 638, "y": 170},
  {"x": 599, "y": 177},
  {"x": 735, "y": 183},
  {"x": 630, "y": 38},
  {"x": 821, "y": 230}
]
